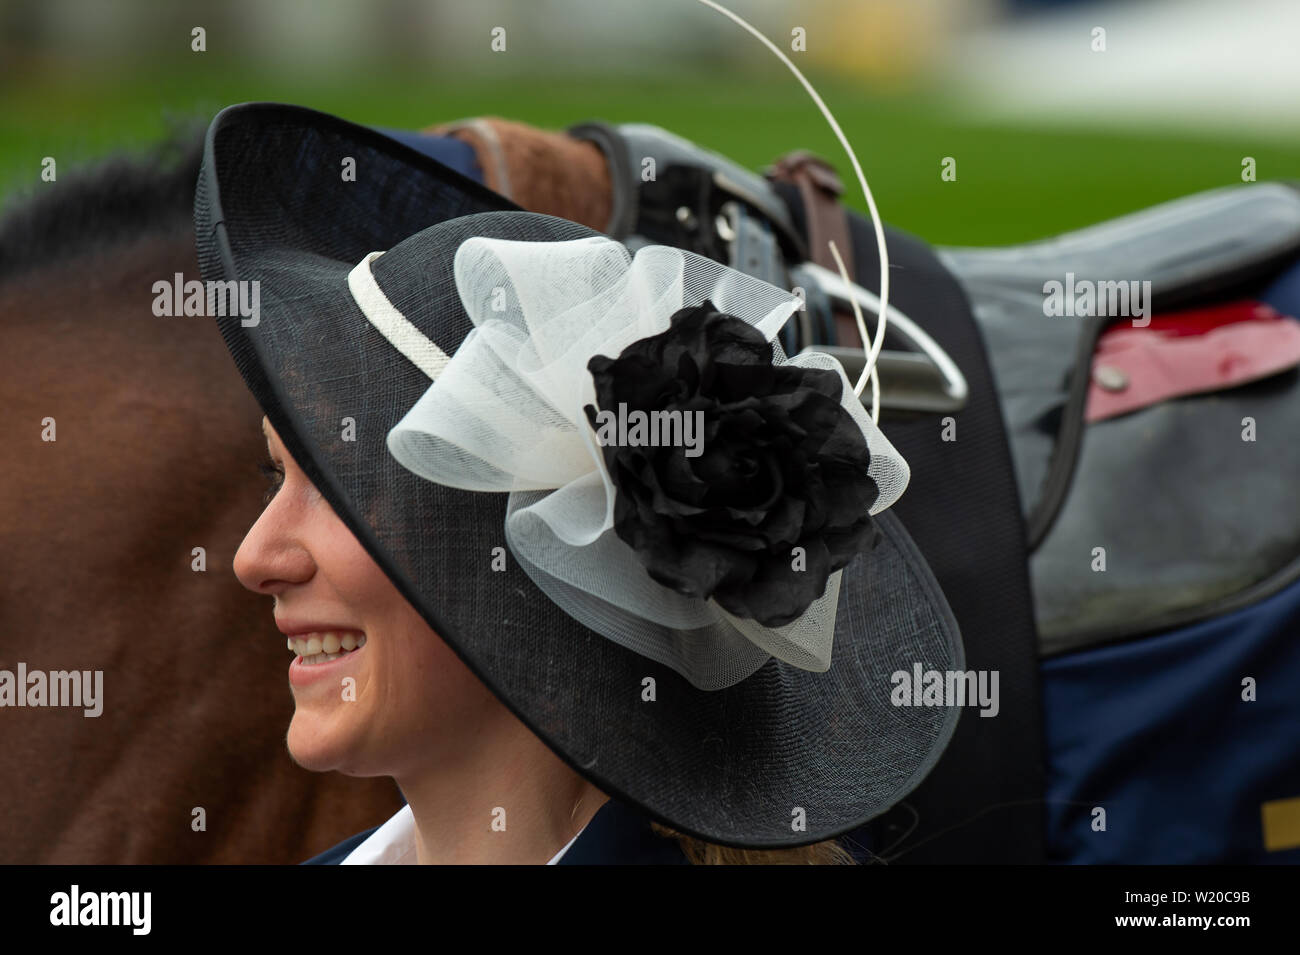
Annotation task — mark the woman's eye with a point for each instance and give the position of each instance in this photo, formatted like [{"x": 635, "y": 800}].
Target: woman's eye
[{"x": 274, "y": 475}]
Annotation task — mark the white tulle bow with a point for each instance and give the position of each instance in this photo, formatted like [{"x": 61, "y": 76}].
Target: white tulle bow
[{"x": 505, "y": 414}]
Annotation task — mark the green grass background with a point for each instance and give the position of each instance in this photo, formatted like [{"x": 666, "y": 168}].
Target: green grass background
[{"x": 1014, "y": 183}]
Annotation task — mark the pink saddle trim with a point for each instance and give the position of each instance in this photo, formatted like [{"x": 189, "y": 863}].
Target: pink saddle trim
[{"x": 1189, "y": 352}]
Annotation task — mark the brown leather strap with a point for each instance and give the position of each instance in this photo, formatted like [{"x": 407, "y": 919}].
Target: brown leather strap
[
  {"x": 491, "y": 155},
  {"x": 820, "y": 189},
  {"x": 541, "y": 170}
]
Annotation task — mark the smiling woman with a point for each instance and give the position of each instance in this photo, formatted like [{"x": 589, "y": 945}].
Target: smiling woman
[
  {"x": 563, "y": 651},
  {"x": 398, "y": 703}
]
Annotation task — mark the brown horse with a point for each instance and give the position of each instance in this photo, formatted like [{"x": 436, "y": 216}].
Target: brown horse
[{"x": 129, "y": 443}]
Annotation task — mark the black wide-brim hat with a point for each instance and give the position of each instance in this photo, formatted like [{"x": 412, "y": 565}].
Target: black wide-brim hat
[{"x": 740, "y": 766}]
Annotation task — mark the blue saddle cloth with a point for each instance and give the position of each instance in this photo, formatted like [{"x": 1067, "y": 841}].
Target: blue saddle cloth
[
  {"x": 1284, "y": 293},
  {"x": 450, "y": 152},
  {"x": 1156, "y": 732}
]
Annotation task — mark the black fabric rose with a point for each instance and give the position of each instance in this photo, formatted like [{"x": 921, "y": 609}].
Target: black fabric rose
[{"x": 782, "y": 465}]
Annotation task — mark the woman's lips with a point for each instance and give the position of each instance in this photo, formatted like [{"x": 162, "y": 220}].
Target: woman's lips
[
  {"x": 296, "y": 628},
  {"x": 302, "y": 673}
]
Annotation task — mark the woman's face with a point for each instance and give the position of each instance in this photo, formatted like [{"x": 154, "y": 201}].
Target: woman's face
[{"x": 397, "y": 703}]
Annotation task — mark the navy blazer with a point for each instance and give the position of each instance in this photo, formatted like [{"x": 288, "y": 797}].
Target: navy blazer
[{"x": 616, "y": 835}]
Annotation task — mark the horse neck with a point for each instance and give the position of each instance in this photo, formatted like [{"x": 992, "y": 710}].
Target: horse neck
[{"x": 155, "y": 446}]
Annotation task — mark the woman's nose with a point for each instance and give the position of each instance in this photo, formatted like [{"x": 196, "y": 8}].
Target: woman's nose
[{"x": 272, "y": 555}]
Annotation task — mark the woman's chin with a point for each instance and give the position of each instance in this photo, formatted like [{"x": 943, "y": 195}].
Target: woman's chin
[{"x": 312, "y": 747}]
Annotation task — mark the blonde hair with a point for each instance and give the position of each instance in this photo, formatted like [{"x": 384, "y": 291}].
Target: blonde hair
[{"x": 700, "y": 852}]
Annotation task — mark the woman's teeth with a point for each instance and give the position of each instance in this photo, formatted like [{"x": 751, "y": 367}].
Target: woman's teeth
[{"x": 324, "y": 647}]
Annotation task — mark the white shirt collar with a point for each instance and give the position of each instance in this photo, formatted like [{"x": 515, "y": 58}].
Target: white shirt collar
[{"x": 393, "y": 843}]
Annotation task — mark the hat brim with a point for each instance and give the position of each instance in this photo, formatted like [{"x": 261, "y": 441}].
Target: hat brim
[{"x": 742, "y": 766}]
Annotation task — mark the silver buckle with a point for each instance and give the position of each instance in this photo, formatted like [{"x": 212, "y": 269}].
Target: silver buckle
[{"x": 923, "y": 378}]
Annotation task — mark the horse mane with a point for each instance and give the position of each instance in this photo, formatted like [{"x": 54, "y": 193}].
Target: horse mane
[{"x": 96, "y": 205}]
